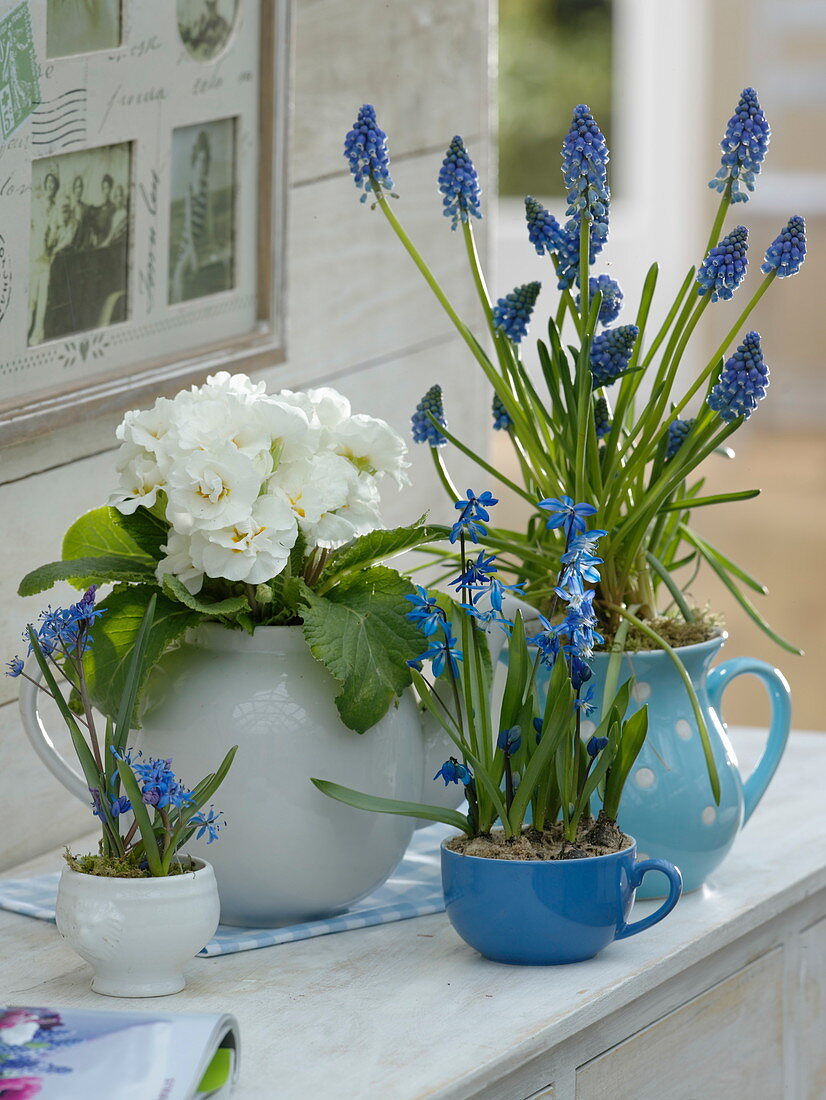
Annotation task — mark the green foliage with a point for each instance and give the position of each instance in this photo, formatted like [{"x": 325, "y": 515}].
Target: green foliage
[
  {"x": 359, "y": 632},
  {"x": 81, "y": 572},
  {"x": 115, "y": 634}
]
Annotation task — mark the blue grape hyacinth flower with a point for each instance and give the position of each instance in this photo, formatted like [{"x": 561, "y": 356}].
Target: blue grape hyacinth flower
[
  {"x": 544, "y": 231},
  {"x": 512, "y": 314},
  {"x": 611, "y": 352},
  {"x": 602, "y": 421},
  {"x": 501, "y": 417},
  {"x": 788, "y": 250},
  {"x": 459, "y": 184},
  {"x": 744, "y": 146},
  {"x": 743, "y": 381},
  {"x": 424, "y": 430},
  {"x": 365, "y": 149},
  {"x": 677, "y": 433},
  {"x": 724, "y": 268},
  {"x": 584, "y": 166},
  {"x": 510, "y": 740},
  {"x": 612, "y": 297}
]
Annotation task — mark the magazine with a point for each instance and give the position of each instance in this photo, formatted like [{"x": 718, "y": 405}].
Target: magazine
[{"x": 74, "y": 1054}]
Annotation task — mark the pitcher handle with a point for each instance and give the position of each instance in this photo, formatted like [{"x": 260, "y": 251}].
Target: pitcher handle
[
  {"x": 41, "y": 742},
  {"x": 781, "y": 719},
  {"x": 675, "y": 889}
]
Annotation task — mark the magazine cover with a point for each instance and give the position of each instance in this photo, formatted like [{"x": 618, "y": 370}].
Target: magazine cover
[{"x": 73, "y": 1054}]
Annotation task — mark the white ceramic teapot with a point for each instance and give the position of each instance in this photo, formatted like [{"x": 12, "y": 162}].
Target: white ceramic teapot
[{"x": 288, "y": 853}]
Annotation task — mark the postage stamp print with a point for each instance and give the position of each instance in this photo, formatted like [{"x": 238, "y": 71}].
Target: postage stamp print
[{"x": 19, "y": 85}]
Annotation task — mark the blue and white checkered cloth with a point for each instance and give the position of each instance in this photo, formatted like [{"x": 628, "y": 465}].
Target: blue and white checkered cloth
[{"x": 414, "y": 890}]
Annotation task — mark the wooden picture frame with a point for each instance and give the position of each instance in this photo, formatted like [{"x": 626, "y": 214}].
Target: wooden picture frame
[{"x": 71, "y": 349}]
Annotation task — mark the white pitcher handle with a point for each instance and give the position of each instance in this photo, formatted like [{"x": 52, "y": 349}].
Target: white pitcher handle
[
  {"x": 496, "y": 636},
  {"x": 41, "y": 742}
]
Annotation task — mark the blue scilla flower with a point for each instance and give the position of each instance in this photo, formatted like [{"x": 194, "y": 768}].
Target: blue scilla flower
[
  {"x": 677, "y": 433},
  {"x": 424, "y": 430},
  {"x": 585, "y": 703},
  {"x": 477, "y": 573},
  {"x": 501, "y": 417},
  {"x": 611, "y": 352},
  {"x": 724, "y": 268},
  {"x": 580, "y": 672},
  {"x": 602, "y": 421},
  {"x": 547, "y": 642},
  {"x": 210, "y": 824},
  {"x": 565, "y": 513},
  {"x": 452, "y": 771},
  {"x": 14, "y": 667},
  {"x": 459, "y": 184},
  {"x": 512, "y": 314},
  {"x": 365, "y": 148},
  {"x": 426, "y": 613},
  {"x": 744, "y": 147},
  {"x": 496, "y": 592},
  {"x": 788, "y": 250},
  {"x": 584, "y": 161},
  {"x": 510, "y": 741},
  {"x": 491, "y": 617},
  {"x": 160, "y": 786},
  {"x": 544, "y": 231},
  {"x": 596, "y": 745},
  {"x": 743, "y": 381},
  {"x": 473, "y": 514},
  {"x": 612, "y": 297},
  {"x": 441, "y": 652}
]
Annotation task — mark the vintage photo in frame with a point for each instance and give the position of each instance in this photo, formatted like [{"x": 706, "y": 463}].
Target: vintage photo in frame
[{"x": 142, "y": 201}]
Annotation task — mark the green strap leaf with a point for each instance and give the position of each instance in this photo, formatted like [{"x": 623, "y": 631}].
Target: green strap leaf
[
  {"x": 391, "y": 805},
  {"x": 150, "y": 841}
]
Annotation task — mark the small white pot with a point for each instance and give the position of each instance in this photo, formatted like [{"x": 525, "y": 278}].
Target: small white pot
[{"x": 138, "y": 933}]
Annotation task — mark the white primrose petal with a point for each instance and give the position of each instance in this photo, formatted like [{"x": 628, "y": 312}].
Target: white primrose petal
[
  {"x": 288, "y": 429},
  {"x": 147, "y": 428},
  {"x": 372, "y": 446},
  {"x": 240, "y": 385},
  {"x": 331, "y": 407},
  {"x": 359, "y": 515},
  {"x": 178, "y": 561},
  {"x": 140, "y": 480},
  {"x": 215, "y": 490},
  {"x": 255, "y": 549},
  {"x": 315, "y": 485}
]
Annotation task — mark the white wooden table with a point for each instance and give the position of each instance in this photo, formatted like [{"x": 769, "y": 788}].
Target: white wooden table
[{"x": 725, "y": 998}]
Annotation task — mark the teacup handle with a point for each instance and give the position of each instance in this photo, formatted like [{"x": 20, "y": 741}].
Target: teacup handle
[
  {"x": 42, "y": 743},
  {"x": 675, "y": 888},
  {"x": 781, "y": 705}
]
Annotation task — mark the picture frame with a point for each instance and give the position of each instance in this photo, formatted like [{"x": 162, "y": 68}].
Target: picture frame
[{"x": 142, "y": 202}]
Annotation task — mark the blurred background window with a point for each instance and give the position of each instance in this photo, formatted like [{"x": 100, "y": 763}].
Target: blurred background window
[{"x": 548, "y": 49}]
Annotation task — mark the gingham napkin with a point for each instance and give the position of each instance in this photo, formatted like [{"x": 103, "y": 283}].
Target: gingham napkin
[{"x": 414, "y": 890}]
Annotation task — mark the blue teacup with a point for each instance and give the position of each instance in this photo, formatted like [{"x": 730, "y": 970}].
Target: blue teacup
[{"x": 545, "y": 912}]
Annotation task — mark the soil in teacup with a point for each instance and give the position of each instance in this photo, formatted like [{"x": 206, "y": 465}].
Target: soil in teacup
[
  {"x": 594, "y": 838},
  {"x": 673, "y": 630},
  {"x": 120, "y": 866}
]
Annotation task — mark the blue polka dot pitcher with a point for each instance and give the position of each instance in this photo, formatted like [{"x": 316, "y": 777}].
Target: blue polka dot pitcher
[{"x": 667, "y": 805}]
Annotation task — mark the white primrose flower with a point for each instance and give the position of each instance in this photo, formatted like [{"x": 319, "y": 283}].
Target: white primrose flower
[
  {"x": 210, "y": 422},
  {"x": 359, "y": 515},
  {"x": 315, "y": 486},
  {"x": 178, "y": 561},
  {"x": 211, "y": 490},
  {"x": 140, "y": 479},
  {"x": 147, "y": 428},
  {"x": 239, "y": 385},
  {"x": 253, "y": 550},
  {"x": 331, "y": 407},
  {"x": 372, "y": 446}
]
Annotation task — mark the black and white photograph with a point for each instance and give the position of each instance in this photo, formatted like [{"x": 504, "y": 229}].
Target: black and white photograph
[
  {"x": 206, "y": 26},
  {"x": 81, "y": 26},
  {"x": 201, "y": 229},
  {"x": 79, "y": 249}
]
